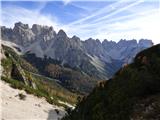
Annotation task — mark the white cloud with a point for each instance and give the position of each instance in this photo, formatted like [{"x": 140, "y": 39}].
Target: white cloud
[
  {"x": 144, "y": 27},
  {"x": 120, "y": 10},
  {"x": 66, "y": 1},
  {"x": 100, "y": 24},
  {"x": 12, "y": 14},
  {"x": 136, "y": 25},
  {"x": 99, "y": 12}
]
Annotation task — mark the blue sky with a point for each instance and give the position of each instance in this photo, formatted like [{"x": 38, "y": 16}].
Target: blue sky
[{"x": 102, "y": 19}]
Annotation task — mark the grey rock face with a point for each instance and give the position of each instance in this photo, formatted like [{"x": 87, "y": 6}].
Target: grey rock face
[
  {"x": 94, "y": 47},
  {"x": 61, "y": 34},
  {"x": 43, "y": 32},
  {"x": 144, "y": 43},
  {"x": 18, "y": 74},
  {"x": 6, "y": 33},
  {"x": 22, "y": 34},
  {"x": 43, "y": 35},
  {"x": 109, "y": 45},
  {"x": 91, "y": 55}
]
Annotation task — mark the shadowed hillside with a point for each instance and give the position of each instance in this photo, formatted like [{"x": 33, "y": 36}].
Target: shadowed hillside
[{"x": 132, "y": 94}]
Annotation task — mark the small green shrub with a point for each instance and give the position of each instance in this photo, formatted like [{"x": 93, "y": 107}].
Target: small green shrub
[
  {"x": 22, "y": 96},
  {"x": 57, "y": 111}
]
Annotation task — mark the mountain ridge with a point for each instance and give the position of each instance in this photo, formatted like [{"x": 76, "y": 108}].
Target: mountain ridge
[
  {"x": 44, "y": 41},
  {"x": 36, "y": 28}
]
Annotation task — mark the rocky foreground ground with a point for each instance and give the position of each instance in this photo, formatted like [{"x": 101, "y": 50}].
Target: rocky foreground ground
[{"x": 13, "y": 107}]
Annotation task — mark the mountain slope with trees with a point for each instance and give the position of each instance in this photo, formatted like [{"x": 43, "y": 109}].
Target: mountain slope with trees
[{"x": 132, "y": 94}]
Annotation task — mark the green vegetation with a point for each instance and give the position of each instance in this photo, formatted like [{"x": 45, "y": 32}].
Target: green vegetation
[
  {"x": 22, "y": 96},
  {"x": 52, "y": 95},
  {"x": 116, "y": 99},
  {"x": 57, "y": 111},
  {"x": 22, "y": 75},
  {"x": 11, "y": 55}
]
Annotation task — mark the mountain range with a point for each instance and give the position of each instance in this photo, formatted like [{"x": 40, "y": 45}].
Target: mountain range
[
  {"x": 96, "y": 60},
  {"x": 106, "y": 57}
]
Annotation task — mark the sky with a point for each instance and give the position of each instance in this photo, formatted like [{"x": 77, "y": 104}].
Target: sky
[{"x": 99, "y": 19}]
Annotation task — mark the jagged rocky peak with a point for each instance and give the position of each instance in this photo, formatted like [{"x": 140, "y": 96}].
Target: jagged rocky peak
[
  {"x": 76, "y": 42},
  {"x": 36, "y": 28},
  {"x": 62, "y": 34},
  {"x": 39, "y": 29},
  {"x": 90, "y": 39},
  {"x": 98, "y": 41},
  {"x": 4, "y": 27},
  {"x": 133, "y": 41},
  {"x": 105, "y": 41},
  {"x": 22, "y": 34},
  {"x": 93, "y": 42},
  {"x": 93, "y": 47},
  {"x": 20, "y": 28},
  {"x": 145, "y": 43},
  {"x": 127, "y": 43},
  {"x": 90, "y": 42},
  {"x": 43, "y": 33},
  {"x": 75, "y": 38},
  {"x": 21, "y": 25},
  {"x": 6, "y": 33},
  {"x": 109, "y": 45},
  {"x": 122, "y": 42}
]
